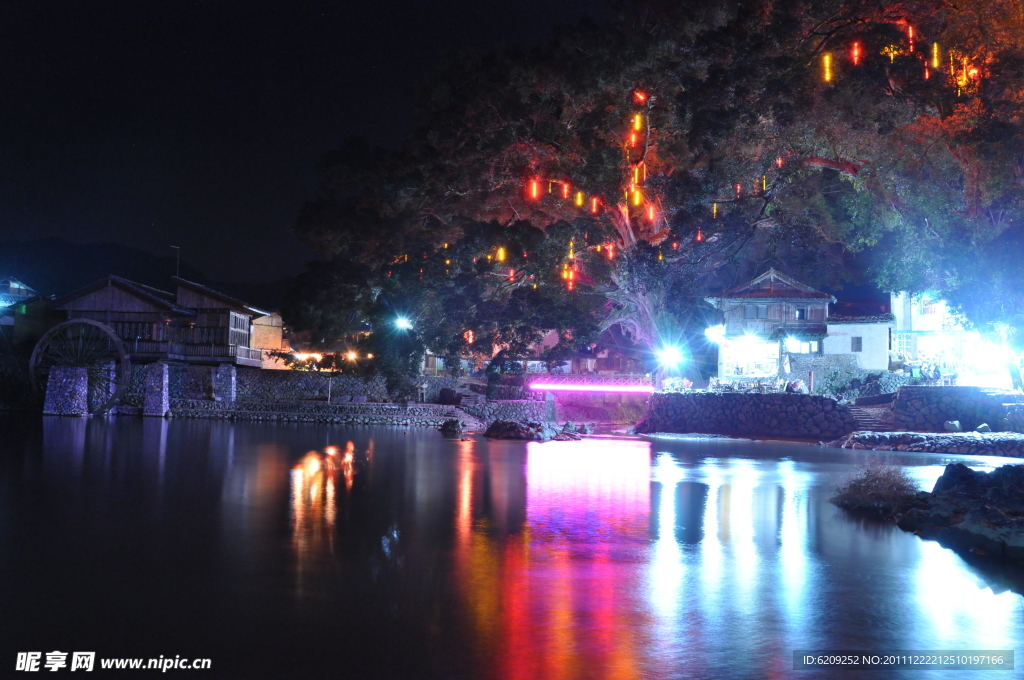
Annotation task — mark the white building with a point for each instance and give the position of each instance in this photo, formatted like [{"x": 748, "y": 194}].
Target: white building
[{"x": 773, "y": 321}]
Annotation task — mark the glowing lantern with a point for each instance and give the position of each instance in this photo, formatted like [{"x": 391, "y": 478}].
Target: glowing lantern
[
  {"x": 593, "y": 205},
  {"x": 469, "y": 336},
  {"x": 638, "y": 197},
  {"x": 638, "y": 122},
  {"x": 639, "y": 97},
  {"x": 927, "y": 73},
  {"x": 632, "y": 139},
  {"x": 636, "y": 175},
  {"x": 779, "y": 161},
  {"x": 972, "y": 73},
  {"x": 446, "y": 245},
  {"x": 534, "y": 189},
  {"x": 764, "y": 183},
  {"x": 565, "y": 190},
  {"x": 855, "y": 53},
  {"x": 579, "y": 198},
  {"x": 572, "y": 252},
  {"x": 739, "y": 190},
  {"x": 714, "y": 211},
  {"x": 675, "y": 245},
  {"x": 826, "y": 67},
  {"x": 910, "y": 37},
  {"x": 650, "y": 212},
  {"x": 661, "y": 255},
  {"x": 501, "y": 255},
  {"x": 700, "y": 236},
  {"x": 935, "y": 56},
  {"x": 447, "y": 261},
  {"x": 611, "y": 251},
  {"x": 511, "y": 274}
]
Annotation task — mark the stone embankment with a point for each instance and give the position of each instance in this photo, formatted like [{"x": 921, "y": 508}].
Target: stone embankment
[
  {"x": 977, "y": 511},
  {"x": 926, "y": 408},
  {"x": 1009, "y": 444},
  {"x": 747, "y": 415},
  {"x": 472, "y": 417}
]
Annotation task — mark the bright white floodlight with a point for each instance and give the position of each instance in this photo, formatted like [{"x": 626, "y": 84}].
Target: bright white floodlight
[
  {"x": 669, "y": 356},
  {"x": 403, "y": 323},
  {"x": 715, "y": 334}
]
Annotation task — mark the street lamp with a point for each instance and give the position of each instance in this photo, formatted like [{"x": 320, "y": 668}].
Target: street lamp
[{"x": 403, "y": 323}]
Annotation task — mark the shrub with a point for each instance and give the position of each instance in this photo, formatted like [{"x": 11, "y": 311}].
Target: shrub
[{"x": 878, "y": 488}]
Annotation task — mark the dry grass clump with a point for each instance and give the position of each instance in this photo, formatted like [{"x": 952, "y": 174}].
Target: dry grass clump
[{"x": 878, "y": 488}]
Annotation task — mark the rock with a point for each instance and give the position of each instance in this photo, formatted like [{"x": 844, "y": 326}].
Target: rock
[
  {"x": 951, "y": 426},
  {"x": 510, "y": 429},
  {"x": 452, "y": 426},
  {"x": 569, "y": 427},
  {"x": 983, "y": 428}
]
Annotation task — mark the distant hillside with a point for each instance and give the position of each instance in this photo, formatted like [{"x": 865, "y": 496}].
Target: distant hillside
[{"x": 54, "y": 267}]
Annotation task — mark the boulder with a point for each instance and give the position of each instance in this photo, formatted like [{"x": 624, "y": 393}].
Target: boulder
[
  {"x": 511, "y": 429},
  {"x": 951, "y": 426},
  {"x": 452, "y": 426},
  {"x": 983, "y": 428},
  {"x": 569, "y": 427}
]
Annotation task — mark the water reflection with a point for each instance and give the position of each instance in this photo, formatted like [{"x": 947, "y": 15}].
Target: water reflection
[{"x": 600, "y": 558}]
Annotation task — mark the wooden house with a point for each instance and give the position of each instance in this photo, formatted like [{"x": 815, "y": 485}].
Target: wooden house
[{"x": 196, "y": 324}]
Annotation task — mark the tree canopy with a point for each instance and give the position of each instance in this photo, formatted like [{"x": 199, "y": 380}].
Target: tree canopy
[{"x": 627, "y": 168}]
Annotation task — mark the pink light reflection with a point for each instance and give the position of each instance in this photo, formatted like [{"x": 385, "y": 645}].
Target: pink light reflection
[
  {"x": 557, "y": 387},
  {"x": 594, "y": 489}
]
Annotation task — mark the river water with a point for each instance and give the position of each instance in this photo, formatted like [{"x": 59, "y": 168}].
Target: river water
[{"x": 306, "y": 551}]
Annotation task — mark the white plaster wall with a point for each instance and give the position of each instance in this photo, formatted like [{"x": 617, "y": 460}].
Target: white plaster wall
[{"x": 875, "y": 344}]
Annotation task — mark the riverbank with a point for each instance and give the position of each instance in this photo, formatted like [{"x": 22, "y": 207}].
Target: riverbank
[{"x": 1005, "y": 444}]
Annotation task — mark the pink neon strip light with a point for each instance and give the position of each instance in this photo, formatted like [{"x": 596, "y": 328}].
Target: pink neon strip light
[{"x": 556, "y": 387}]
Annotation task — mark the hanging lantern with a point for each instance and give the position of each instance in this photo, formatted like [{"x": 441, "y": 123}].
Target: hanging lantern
[
  {"x": 779, "y": 161},
  {"x": 632, "y": 139},
  {"x": 714, "y": 211},
  {"x": 927, "y": 73},
  {"x": 675, "y": 245},
  {"x": 650, "y": 213},
  {"x": 636, "y": 175},
  {"x": 535, "y": 189},
  {"x": 855, "y": 53},
  {"x": 826, "y": 67},
  {"x": 565, "y": 190},
  {"x": 639, "y": 97},
  {"x": 936, "y": 62},
  {"x": 661, "y": 255},
  {"x": 469, "y": 337},
  {"x": 501, "y": 254},
  {"x": 579, "y": 198},
  {"x": 638, "y": 197},
  {"x": 511, "y": 274},
  {"x": 700, "y": 236},
  {"x": 739, "y": 191},
  {"x": 910, "y": 37},
  {"x": 611, "y": 251},
  {"x": 638, "y": 122},
  {"x": 593, "y": 205},
  {"x": 764, "y": 183},
  {"x": 572, "y": 252}
]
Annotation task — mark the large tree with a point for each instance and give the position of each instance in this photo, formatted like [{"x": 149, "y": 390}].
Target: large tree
[{"x": 706, "y": 140}]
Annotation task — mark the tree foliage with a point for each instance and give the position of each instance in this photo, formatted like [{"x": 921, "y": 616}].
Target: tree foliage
[{"x": 764, "y": 141}]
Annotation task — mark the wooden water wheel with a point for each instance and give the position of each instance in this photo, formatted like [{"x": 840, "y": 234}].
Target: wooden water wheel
[{"x": 88, "y": 344}]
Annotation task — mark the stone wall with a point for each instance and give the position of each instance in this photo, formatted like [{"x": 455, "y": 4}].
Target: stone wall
[
  {"x": 526, "y": 411},
  {"x": 435, "y": 383},
  {"x": 926, "y": 408},
  {"x": 747, "y": 415},
  {"x": 973, "y": 443},
  {"x": 254, "y": 383},
  {"x": 67, "y": 391}
]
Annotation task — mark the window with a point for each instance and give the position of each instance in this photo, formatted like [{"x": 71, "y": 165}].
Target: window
[
  {"x": 856, "y": 344},
  {"x": 755, "y": 311},
  {"x": 801, "y": 314}
]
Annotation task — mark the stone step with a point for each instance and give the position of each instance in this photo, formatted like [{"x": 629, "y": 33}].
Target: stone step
[{"x": 873, "y": 419}]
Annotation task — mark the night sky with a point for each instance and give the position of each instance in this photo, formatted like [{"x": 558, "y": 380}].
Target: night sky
[{"x": 199, "y": 124}]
